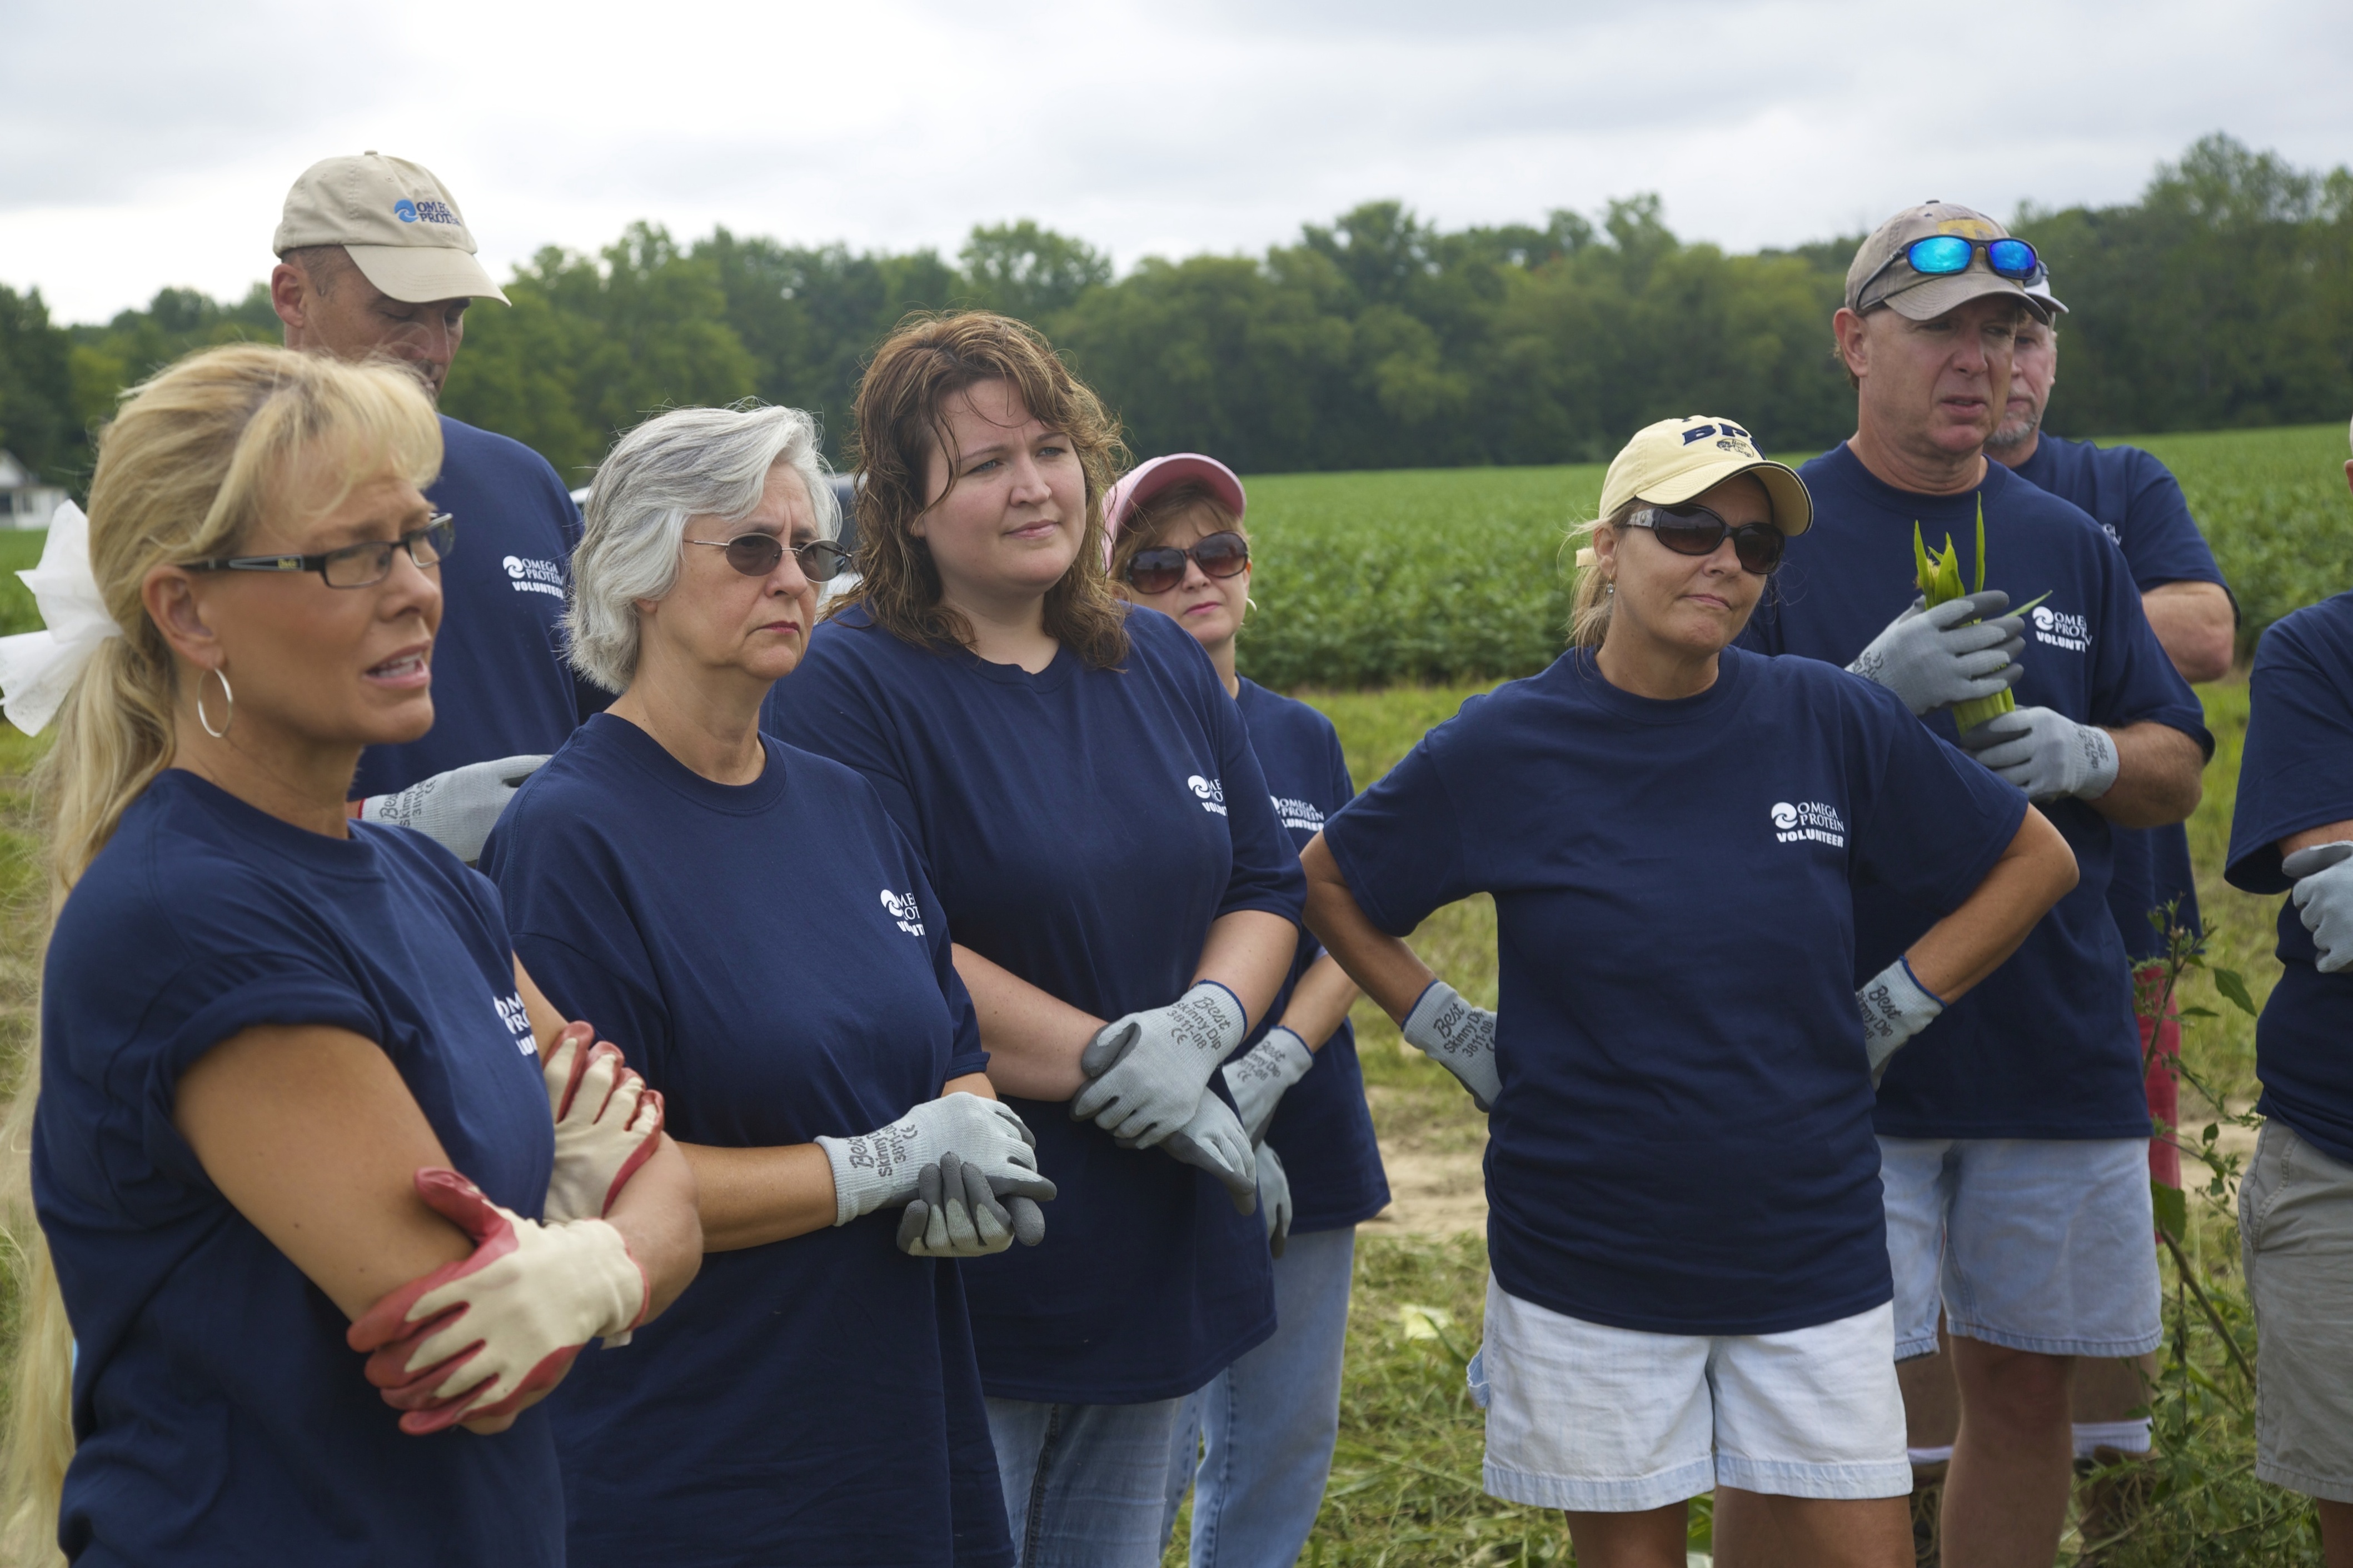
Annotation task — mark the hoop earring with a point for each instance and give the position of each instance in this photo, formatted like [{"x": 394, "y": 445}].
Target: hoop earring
[
  {"x": 1248, "y": 605},
  {"x": 230, "y": 718}
]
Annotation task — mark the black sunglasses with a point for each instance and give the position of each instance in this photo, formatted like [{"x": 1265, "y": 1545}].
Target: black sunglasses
[
  {"x": 756, "y": 554},
  {"x": 354, "y": 565},
  {"x": 1695, "y": 531},
  {"x": 1162, "y": 567}
]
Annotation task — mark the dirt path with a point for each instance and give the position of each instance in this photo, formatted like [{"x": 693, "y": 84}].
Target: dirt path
[{"x": 1431, "y": 1143}]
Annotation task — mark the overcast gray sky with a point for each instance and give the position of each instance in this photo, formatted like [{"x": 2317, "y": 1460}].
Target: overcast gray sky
[{"x": 144, "y": 143}]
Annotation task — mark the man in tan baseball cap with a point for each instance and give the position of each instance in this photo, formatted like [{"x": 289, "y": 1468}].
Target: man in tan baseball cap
[
  {"x": 376, "y": 260},
  {"x": 387, "y": 227},
  {"x": 2014, "y": 1132}
]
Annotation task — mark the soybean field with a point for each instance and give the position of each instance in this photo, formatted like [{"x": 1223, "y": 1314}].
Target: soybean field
[{"x": 1457, "y": 575}]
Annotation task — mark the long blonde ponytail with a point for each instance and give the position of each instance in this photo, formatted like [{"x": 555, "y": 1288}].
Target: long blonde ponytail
[{"x": 183, "y": 471}]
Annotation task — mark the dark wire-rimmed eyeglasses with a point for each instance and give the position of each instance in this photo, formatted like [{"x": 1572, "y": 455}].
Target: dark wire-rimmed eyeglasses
[
  {"x": 354, "y": 566},
  {"x": 756, "y": 554}
]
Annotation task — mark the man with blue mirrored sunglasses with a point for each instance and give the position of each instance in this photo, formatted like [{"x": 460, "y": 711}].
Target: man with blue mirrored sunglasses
[{"x": 2013, "y": 1130}]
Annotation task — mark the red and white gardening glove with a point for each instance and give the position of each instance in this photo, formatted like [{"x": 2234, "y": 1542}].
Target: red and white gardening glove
[
  {"x": 607, "y": 1123},
  {"x": 475, "y": 1337}
]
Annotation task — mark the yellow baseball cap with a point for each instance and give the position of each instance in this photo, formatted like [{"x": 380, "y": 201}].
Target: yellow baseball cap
[
  {"x": 400, "y": 225},
  {"x": 1669, "y": 463}
]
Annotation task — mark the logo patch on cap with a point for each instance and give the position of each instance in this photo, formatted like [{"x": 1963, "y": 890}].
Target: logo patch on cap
[
  {"x": 405, "y": 210},
  {"x": 428, "y": 211}
]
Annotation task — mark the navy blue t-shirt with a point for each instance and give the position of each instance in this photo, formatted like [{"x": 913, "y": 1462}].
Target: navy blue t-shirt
[
  {"x": 221, "y": 1416},
  {"x": 501, "y": 687},
  {"x": 2298, "y": 775},
  {"x": 2136, "y": 502},
  {"x": 1083, "y": 828},
  {"x": 1322, "y": 1128},
  {"x": 1683, "y": 1141},
  {"x": 2046, "y": 1047},
  {"x": 766, "y": 956}
]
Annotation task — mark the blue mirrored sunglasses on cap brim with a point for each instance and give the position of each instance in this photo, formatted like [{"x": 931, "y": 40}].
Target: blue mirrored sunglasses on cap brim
[{"x": 1943, "y": 255}]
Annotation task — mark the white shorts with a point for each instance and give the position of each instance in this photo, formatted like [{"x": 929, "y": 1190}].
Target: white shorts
[
  {"x": 2035, "y": 1244},
  {"x": 1601, "y": 1420}
]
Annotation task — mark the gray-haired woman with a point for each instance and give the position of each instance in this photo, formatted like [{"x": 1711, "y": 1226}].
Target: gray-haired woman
[{"x": 745, "y": 923}]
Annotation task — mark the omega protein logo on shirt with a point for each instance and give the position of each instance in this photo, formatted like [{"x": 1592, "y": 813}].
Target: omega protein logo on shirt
[
  {"x": 1297, "y": 813},
  {"x": 1211, "y": 792},
  {"x": 531, "y": 576},
  {"x": 2073, "y": 633},
  {"x": 1807, "y": 820},
  {"x": 517, "y": 1019},
  {"x": 903, "y": 910}
]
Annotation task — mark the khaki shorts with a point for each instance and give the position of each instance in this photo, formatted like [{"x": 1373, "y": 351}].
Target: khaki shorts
[{"x": 2295, "y": 1238}]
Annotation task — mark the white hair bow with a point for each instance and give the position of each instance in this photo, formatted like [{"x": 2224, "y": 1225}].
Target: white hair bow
[{"x": 38, "y": 669}]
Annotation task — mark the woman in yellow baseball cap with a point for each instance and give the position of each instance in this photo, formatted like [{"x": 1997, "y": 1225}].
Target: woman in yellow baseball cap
[{"x": 1690, "y": 1286}]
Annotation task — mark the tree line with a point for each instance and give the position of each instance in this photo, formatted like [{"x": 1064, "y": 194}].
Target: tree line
[{"x": 2221, "y": 298}]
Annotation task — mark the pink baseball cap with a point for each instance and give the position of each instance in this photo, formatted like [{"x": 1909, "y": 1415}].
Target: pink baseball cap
[{"x": 1148, "y": 480}]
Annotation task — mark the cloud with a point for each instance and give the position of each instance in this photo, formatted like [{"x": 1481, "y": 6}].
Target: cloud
[{"x": 1144, "y": 128}]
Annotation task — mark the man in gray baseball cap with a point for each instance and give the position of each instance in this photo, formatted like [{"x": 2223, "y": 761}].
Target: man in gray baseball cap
[
  {"x": 2014, "y": 1131},
  {"x": 375, "y": 259}
]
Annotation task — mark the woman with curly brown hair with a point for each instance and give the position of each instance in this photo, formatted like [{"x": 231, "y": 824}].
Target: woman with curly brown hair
[{"x": 1120, "y": 894}]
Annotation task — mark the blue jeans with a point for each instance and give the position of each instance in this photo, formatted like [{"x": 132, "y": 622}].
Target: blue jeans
[
  {"x": 1265, "y": 1425},
  {"x": 1084, "y": 1484}
]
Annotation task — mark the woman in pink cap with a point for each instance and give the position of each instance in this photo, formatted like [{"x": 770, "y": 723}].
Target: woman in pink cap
[{"x": 1270, "y": 1420}]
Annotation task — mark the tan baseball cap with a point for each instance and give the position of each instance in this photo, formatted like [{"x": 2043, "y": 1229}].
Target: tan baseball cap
[
  {"x": 1668, "y": 463},
  {"x": 1881, "y": 275},
  {"x": 400, "y": 225}
]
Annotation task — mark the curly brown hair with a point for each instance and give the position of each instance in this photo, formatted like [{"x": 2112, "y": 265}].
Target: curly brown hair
[{"x": 927, "y": 359}]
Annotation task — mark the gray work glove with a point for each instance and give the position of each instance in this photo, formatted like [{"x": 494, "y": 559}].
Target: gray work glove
[
  {"x": 1895, "y": 1006},
  {"x": 1149, "y": 1067},
  {"x": 1212, "y": 1140},
  {"x": 2324, "y": 901},
  {"x": 881, "y": 1169},
  {"x": 1273, "y": 1200},
  {"x": 1931, "y": 660},
  {"x": 2045, "y": 753},
  {"x": 954, "y": 1215},
  {"x": 1460, "y": 1037},
  {"x": 1258, "y": 1077},
  {"x": 457, "y": 809}
]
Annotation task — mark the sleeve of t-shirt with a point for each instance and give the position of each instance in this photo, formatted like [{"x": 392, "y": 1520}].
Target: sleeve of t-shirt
[
  {"x": 1400, "y": 845},
  {"x": 578, "y": 941},
  {"x": 829, "y": 706},
  {"x": 1934, "y": 820},
  {"x": 1339, "y": 790},
  {"x": 1266, "y": 874},
  {"x": 2162, "y": 543},
  {"x": 218, "y": 997},
  {"x": 2297, "y": 770},
  {"x": 2133, "y": 680},
  {"x": 965, "y": 1052}
]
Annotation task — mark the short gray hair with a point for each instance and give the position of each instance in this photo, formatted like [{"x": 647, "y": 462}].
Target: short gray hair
[{"x": 688, "y": 462}]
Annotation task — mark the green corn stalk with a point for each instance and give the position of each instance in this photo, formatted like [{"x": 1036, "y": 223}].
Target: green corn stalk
[{"x": 1938, "y": 576}]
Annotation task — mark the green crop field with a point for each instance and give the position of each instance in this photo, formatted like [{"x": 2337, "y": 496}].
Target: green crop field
[{"x": 1457, "y": 574}]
